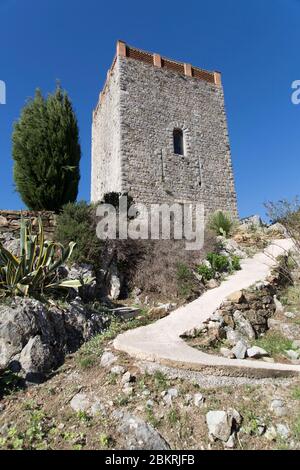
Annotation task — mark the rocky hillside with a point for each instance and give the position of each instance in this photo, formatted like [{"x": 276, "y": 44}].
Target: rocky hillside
[{"x": 63, "y": 386}]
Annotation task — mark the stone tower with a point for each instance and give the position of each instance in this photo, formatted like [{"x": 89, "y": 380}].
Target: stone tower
[{"x": 160, "y": 133}]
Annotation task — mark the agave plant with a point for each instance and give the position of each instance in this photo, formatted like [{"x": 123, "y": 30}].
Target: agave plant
[{"x": 36, "y": 269}]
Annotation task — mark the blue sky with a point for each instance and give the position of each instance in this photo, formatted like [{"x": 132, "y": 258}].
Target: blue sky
[{"x": 253, "y": 43}]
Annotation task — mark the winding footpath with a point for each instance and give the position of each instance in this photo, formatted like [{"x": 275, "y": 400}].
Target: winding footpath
[{"x": 161, "y": 341}]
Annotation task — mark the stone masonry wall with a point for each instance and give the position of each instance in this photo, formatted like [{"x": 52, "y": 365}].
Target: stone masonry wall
[
  {"x": 133, "y": 138},
  {"x": 106, "y": 165},
  {"x": 10, "y": 221}
]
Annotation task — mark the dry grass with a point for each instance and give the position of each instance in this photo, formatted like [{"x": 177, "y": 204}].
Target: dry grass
[{"x": 162, "y": 269}]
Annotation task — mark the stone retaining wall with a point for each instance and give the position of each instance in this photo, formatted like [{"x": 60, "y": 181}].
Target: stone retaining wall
[{"x": 10, "y": 220}]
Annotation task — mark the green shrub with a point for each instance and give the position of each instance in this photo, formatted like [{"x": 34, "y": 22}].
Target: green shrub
[
  {"x": 77, "y": 222},
  {"x": 221, "y": 223},
  {"x": 185, "y": 280},
  {"x": 113, "y": 198},
  {"x": 235, "y": 263},
  {"x": 206, "y": 272},
  {"x": 219, "y": 263},
  {"x": 35, "y": 271}
]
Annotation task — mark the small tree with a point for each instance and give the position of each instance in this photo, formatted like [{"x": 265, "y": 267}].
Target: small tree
[{"x": 46, "y": 152}]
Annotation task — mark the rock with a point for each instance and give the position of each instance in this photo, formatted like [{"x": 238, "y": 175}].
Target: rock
[
  {"x": 243, "y": 325},
  {"x": 271, "y": 434},
  {"x": 80, "y": 402},
  {"x": 278, "y": 228},
  {"x": 290, "y": 315},
  {"x": 233, "y": 336},
  {"x": 258, "y": 317},
  {"x": 212, "y": 284},
  {"x": 217, "y": 317},
  {"x": 283, "y": 431},
  {"x": 35, "y": 358},
  {"x": 252, "y": 221},
  {"x": 296, "y": 344},
  {"x": 126, "y": 313},
  {"x": 149, "y": 403},
  {"x": 240, "y": 350},
  {"x": 289, "y": 330},
  {"x": 127, "y": 377},
  {"x": 25, "y": 319},
  {"x": 231, "y": 443},
  {"x": 294, "y": 355},
  {"x": 260, "y": 427},
  {"x": 136, "y": 291},
  {"x": 198, "y": 399},
  {"x": 213, "y": 324},
  {"x": 237, "y": 297},
  {"x": 107, "y": 359},
  {"x": 219, "y": 425},
  {"x": 256, "y": 352},
  {"x": 158, "y": 312},
  {"x": 167, "y": 307},
  {"x": 83, "y": 272},
  {"x": 81, "y": 323},
  {"x": 188, "y": 399},
  {"x": 87, "y": 403},
  {"x": 3, "y": 221},
  {"x": 235, "y": 417},
  {"x": 138, "y": 434},
  {"x": 117, "y": 370},
  {"x": 279, "y": 307},
  {"x": 170, "y": 395},
  {"x": 115, "y": 286},
  {"x": 206, "y": 263},
  {"x": 127, "y": 389},
  {"x": 278, "y": 407},
  {"x": 231, "y": 247},
  {"x": 227, "y": 353}
]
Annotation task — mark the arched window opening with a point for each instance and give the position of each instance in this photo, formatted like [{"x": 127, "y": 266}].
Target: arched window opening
[{"x": 178, "y": 141}]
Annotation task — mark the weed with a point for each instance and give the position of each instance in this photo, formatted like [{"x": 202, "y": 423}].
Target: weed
[
  {"x": 160, "y": 380},
  {"x": 173, "y": 417},
  {"x": 274, "y": 343},
  {"x": 104, "y": 440},
  {"x": 9, "y": 383},
  {"x": 296, "y": 393},
  {"x": 86, "y": 362},
  {"x": 111, "y": 379},
  {"x": 83, "y": 416},
  {"x": 150, "y": 417},
  {"x": 296, "y": 428},
  {"x": 122, "y": 400},
  {"x": 184, "y": 280}
]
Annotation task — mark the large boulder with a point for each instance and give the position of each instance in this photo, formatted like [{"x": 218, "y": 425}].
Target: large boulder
[
  {"x": 35, "y": 337},
  {"x": 252, "y": 221},
  {"x": 221, "y": 424},
  {"x": 138, "y": 434},
  {"x": 230, "y": 247},
  {"x": 243, "y": 325}
]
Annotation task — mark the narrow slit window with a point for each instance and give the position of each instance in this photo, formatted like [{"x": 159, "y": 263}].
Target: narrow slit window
[{"x": 178, "y": 141}]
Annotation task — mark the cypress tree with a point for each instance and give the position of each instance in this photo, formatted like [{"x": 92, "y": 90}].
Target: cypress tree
[{"x": 46, "y": 152}]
